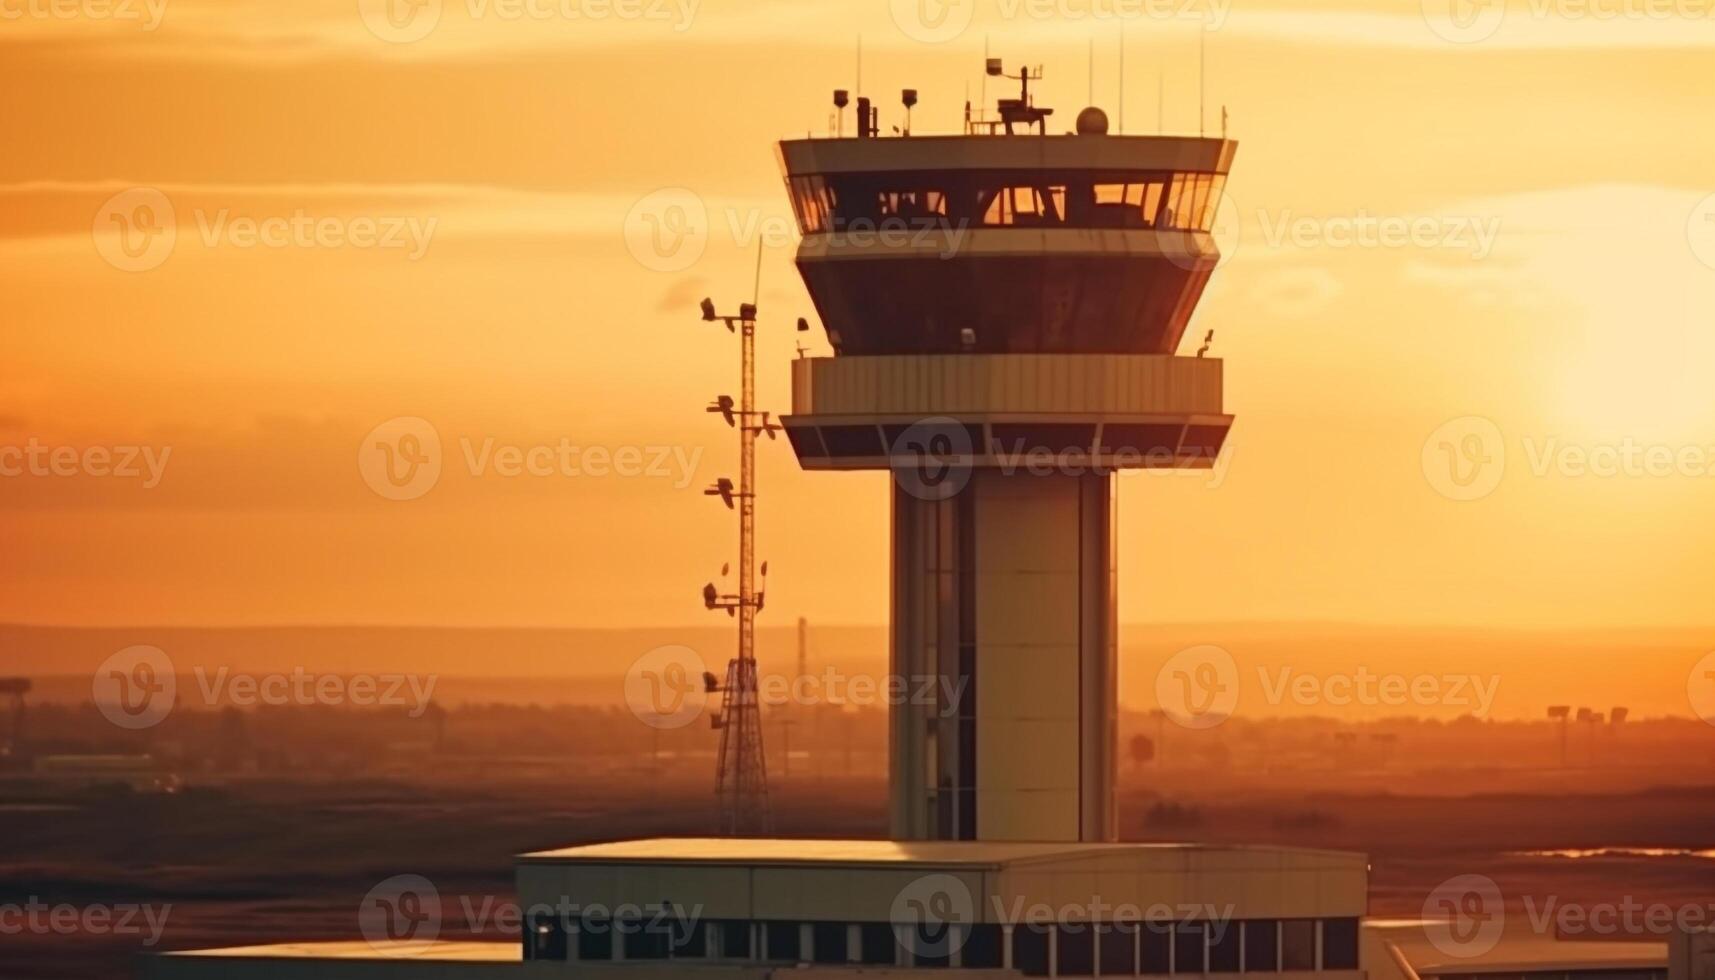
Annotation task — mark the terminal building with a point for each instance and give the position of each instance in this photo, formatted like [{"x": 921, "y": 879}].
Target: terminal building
[{"x": 1004, "y": 352}]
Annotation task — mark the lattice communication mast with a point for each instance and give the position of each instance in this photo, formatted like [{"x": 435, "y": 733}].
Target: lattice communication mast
[{"x": 741, "y": 775}]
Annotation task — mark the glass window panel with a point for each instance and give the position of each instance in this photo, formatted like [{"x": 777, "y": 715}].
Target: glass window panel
[
  {"x": 1152, "y": 201},
  {"x": 1116, "y": 948},
  {"x": 1298, "y": 944},
  {"x": 877, "y": 945},
  {"x": 1339, "y": 944},
  {"x": 1188, "y": 947},
  {"x": 1224, "y": 943},
  {"x": 1175, "y": 203},
  {"x": 595, "y": 940},
  {"x": 1030, "y": 949},
  {"x": 1217, "y": 184},
  {"x": 828, "y": 942},
  {"x": 1262, "y": 946},
  {"x": 1156, "y": 952},
  {"x": 735, "y": 940},
  {"x": 782, "y": 941},
  {"x": 1075, "y": 950},
  {"x": 982, "y": 949}
]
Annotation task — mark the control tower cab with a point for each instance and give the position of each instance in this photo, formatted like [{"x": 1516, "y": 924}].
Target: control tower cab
[{"x": 1005, "y": 309}]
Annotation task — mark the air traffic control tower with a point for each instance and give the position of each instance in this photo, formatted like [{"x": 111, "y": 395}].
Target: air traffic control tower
[{"x": 1006, "y": 309}]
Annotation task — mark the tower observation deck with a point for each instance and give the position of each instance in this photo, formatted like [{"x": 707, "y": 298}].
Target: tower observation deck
[{"x": 1005, "y": 313}]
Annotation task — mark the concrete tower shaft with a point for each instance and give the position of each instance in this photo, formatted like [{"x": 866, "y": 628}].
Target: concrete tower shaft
[{"x": 1005, "y": 312}]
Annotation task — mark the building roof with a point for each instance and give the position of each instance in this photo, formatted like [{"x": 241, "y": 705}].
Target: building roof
[
  {"x": 445, "y": 952},
  {"x": 1519, "y": 950},
  {"x": 721, "y": 850}
]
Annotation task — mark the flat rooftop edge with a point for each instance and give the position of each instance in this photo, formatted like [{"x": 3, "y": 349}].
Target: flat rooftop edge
[{"x": 783, "y": 851}]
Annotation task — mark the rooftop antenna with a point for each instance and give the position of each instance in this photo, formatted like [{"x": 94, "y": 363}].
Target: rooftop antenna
[
  {"x": 1160, "y": 104},
  {"x": 741, "y": 773},
  {"x": 1223, "y": 121},
  {"x": 1202, "y": 75},
  {"x": 1122, "y": 80},
  {"x": 859, "y": 88},
  {"x": 1092, "y": 60}
]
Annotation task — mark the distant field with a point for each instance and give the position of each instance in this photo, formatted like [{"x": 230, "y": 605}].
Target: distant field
[
  {"x": 267, "y": 861},
  {"x": 1529, "y": 670}
]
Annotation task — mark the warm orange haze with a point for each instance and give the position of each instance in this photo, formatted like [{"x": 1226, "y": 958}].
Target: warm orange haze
[{"x": 1341, "y": 610}]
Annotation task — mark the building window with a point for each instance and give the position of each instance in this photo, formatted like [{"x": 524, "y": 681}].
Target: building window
[
  {"x": 1262, "y": 946},
  {"x": 1156, "y": 948},
  {"x": 1030, "y": 949},
  {"x": 734, "y": 940},
  {"x": 1075, "y": 950},
  {"x": 1339, "y": 944},
  {"x": 783, "y": 941},
  {"x": 595, "y": 940},
  {"x": 545, "y": 939},
  {"x": 1298, "y": 944},
  {"x": 1116, "y": 948},
  {"x": 690, "y": 939},
  {"x": 877, "y": 945},
  {"x": 1188, "y": 947},
  {"x": 644, "y": 939},
  {"x": 983, "y": 948},
  {"x": 828, "y": 942},
  {"x": 1224, "y": 944}
]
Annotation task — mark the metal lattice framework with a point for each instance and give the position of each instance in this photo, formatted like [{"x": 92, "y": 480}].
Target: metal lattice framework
[{"x": 741, "y": 776}]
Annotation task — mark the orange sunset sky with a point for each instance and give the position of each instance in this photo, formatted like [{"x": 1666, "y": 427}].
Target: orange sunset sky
[{"x": 1556, "y": 160}]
